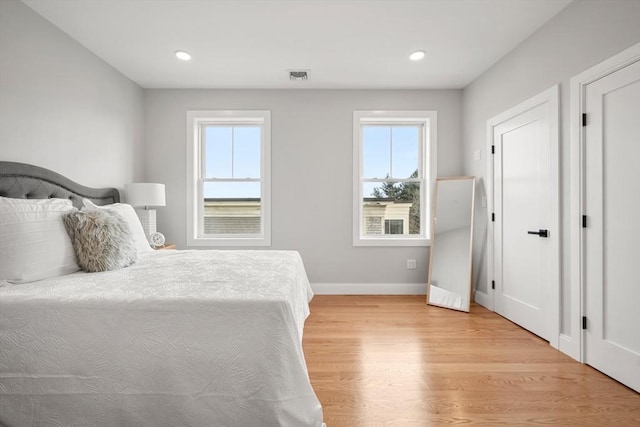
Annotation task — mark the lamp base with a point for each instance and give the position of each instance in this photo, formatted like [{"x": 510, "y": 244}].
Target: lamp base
[{"x": 148, "y": 221}]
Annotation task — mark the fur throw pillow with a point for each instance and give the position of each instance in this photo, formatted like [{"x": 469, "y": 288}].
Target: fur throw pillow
[{"x": 101, "y": 240}]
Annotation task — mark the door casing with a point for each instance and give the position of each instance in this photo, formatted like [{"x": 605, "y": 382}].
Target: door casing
[{"x": 572, "y": 344}]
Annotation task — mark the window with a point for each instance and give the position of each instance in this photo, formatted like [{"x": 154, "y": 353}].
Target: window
[
  {"x": 394, "y": 226},
  {"x": 228, "y": 178},
  {"x": 394, "y": 170}
]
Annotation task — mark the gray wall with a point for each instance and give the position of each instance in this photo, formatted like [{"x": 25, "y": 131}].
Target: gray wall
[
  {"x": 311, "y": 145},
  {"x": 62, "y": 107},
  {"x": 582, "y": 35}
]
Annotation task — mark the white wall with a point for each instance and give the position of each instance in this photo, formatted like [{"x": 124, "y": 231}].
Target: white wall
[
  {"x": 582, "y": 35},
  {"x": 311, "y": 140},
  {"x": 62, "y": 107}
]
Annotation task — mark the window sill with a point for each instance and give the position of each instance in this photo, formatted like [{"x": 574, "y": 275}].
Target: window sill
[{"x": 391, "y": 242}]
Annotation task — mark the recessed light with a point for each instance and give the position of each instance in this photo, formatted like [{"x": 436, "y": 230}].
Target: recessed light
[
  {"x": 181, "y": 54},
  {"x": 417, "y": 55}
]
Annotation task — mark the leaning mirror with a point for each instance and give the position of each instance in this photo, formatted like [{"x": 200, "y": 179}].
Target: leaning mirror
[{"x": 449, "y": 281}]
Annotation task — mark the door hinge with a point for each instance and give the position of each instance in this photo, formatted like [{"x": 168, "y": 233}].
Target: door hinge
[
  {"x": 584, "y": 322},
  {"x": 493, "y": 284},
  {"x": 493, "y": 217},
  {"x": 584, "y": 221},
  {"x": 493, "y": 149},
  {"x": 584, "y": 119}
]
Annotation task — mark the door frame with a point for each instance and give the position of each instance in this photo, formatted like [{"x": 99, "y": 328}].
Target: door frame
[
  {"x": 551, "y": 97},
  {"x": 573, "y": 344}
]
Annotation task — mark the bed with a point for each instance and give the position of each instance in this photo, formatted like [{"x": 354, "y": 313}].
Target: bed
[{"x": 180, "y": 338}]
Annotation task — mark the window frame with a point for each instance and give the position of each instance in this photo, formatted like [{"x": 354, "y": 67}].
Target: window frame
[
  {"x": 196, "y": 119},
  {"x": 427, "y": 164}
]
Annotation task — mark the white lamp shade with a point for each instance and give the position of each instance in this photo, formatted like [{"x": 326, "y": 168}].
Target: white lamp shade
[{"x": 145, "y": 194}]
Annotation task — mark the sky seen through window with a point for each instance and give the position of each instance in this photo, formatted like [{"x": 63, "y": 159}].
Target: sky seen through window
[{"x": 233, "y": 152}]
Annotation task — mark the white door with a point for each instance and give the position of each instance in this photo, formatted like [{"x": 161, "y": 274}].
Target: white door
[
  {"x": 612, "y": 233},
  {"x": 525, "y": 231}
]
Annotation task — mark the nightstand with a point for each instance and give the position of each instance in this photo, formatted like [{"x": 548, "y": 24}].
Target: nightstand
[{"x": 170, "y": 246}]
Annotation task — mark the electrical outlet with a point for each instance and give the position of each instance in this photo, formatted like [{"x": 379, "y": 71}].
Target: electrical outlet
[
  {"x": 477, "y": 155},
  {"x": 411, "y": 264}
]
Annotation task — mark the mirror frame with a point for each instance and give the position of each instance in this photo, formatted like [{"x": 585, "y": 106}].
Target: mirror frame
[{"x": 433, "y": 240}]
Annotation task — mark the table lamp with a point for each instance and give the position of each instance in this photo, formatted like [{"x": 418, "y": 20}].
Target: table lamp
[{"x": 144, "y": 195}]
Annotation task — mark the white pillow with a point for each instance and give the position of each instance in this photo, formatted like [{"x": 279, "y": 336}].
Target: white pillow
[
  {"x": 34, "y": 244},
  {"x": 130, "y": 216}
]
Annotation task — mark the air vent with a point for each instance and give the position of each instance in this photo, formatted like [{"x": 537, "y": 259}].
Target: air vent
[{"x": 298, "y": 74}]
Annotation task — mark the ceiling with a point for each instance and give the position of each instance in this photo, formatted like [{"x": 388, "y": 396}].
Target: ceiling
[{"x": 344, "y": 43}]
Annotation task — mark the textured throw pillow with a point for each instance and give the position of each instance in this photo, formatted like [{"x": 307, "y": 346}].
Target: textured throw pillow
[
  {"x": 101, "y": 239},
  {"x": 130, "y": 216},
  {"x": 33, "y": 242}
]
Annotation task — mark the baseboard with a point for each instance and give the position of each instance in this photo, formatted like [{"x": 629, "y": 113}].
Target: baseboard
[
  {"x": 369, "y": 288},
  {"x": 569, "y": 347},
  {"x": 484, "y": 300}
]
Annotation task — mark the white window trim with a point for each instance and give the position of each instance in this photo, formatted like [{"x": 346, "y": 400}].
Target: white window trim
[
  {"x": 194, "y": 164},
  {"x": 429, "y": 120}
]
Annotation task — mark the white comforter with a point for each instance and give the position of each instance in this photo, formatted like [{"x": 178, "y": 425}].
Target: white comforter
[{"x": 182, "y": 338}]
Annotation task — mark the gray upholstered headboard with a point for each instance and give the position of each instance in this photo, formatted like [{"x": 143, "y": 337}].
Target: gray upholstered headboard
[{"x": 23, "y": 181}]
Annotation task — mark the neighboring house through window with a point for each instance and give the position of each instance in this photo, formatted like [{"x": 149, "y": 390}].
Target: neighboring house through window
[
  {"x": 228, "y": 178},
  {"x": 394, "y": 226},
  {"x": 394, "y": 170}
]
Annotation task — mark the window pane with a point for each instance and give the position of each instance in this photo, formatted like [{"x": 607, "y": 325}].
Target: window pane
[
  {"x": 218, "y": 149},
  {"x": 246, "y": 152},
  {"x": 232, "y": 208},
  {"x": 391, "y": 202},
  {"x": 369, "y": 189},
  {"x": 376, "y": 151},
  {"x": 405, "y": 151},
  {"x": 232, "y": 190},
  {"x": 219, "y": 223}
]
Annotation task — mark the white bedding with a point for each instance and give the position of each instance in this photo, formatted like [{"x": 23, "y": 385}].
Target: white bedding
[{"x": 182, "y": 338}]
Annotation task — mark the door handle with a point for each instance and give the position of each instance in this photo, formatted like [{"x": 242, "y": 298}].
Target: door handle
[{"x": 541, "y": 233}]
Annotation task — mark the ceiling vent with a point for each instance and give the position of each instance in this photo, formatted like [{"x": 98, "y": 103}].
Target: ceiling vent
[{"x": 298, "y": 74}]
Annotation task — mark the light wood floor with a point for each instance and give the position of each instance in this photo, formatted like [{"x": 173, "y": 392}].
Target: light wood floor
[{"x": 394, "y": 361}]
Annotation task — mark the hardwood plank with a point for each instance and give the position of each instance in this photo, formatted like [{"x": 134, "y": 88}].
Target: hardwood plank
[{"x": 394, "y": 361}]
